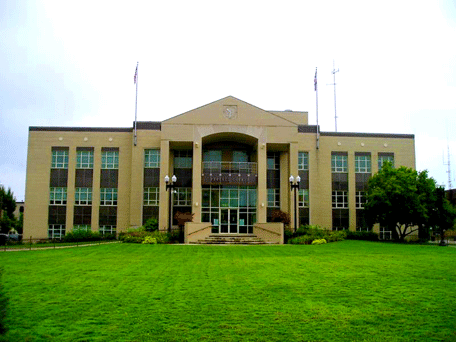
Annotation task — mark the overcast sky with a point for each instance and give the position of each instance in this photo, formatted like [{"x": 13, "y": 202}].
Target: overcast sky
[{"x": 72, "y": 64}]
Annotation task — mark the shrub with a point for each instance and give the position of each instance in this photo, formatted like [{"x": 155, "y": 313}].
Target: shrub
[
  {"x": 150, "y": 240},
  {"x": 151, "y": 225},
  {"x": 3, "y": 307},
  {"x": 318, "y": 242},
  {"x": 140, "y": 235},
  {"x": 301, "y": 240},
  {"x": 280, "y": 216},
  {"x": 80, "y": 235},
  {"x": 364, "y": 235},
  {"x": 176, "y": 236},
  {"x": 307, "y": 234}
]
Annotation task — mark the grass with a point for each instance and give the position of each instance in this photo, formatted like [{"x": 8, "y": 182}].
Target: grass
[
  {"x": 27, "y": 245},
  {"x": 345, "y": 291}
]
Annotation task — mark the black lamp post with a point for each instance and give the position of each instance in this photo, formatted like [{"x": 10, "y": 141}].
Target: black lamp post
[
  {"x": 295, "y": 187},
  {"x": 170, "y": 186}
]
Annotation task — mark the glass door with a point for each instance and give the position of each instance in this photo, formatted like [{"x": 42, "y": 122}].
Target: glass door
[
  {"x": 228, "y": 221},
  {"x": 224, "y": 220},
  {"x": 233, "y": 221}
]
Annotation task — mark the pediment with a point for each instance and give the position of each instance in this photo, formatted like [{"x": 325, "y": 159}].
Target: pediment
[{"x": 230, "y": 111}]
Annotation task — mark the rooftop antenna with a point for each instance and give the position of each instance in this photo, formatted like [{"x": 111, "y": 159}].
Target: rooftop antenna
[
  {"x": 448, "y": 163},
  {"x": 334, "y": 84}
]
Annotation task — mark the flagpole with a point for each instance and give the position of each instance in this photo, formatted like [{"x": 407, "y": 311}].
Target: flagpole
[
  {"x": 136, "y": 102},
  {"x": 316, "y": 105}
]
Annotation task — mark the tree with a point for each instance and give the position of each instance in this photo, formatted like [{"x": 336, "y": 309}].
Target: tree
[
  {"x": 401, "y": 199},
  {"x": 7, "y": 207},
  {"x": 442, "y": 215}
]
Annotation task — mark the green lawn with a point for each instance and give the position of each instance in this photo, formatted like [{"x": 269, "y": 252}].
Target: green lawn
[{"x": 344, "y": 291}]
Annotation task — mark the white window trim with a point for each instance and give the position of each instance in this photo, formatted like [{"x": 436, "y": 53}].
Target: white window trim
[
  {"x": 148, "y": 154},
  {"x": 335, "y": 168},
  {"x": 147, "y": 201},
  {"x": 108, "y": 202},
  {"x": 337, "y": 194}
]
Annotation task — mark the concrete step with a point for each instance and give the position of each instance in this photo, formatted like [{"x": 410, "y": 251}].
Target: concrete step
[{"x": 232, "y": 240}]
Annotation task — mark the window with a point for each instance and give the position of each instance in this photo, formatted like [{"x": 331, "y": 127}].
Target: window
[
  {"x": 82, "y": 227},
  {"x": 339, "y": 163},
  {"x": 58, "y": 196},
  {"x": 339, "y": 199},
  {"x": 360, "y": 199},
  {"x": 212, "y": 156},
  {"x": 273, "y": 198},
  {"x": 151, "y": 158},
  {"x": 84, "y": 160},
  {"x": 303, "y": 161},
  {"x": 56, "y": 231},
  {"x": 109, "y": 159},
  {"x": 151, "y": 196},
  {"x": 182, "y": 159},
  {"x": 107, "y": 230},
  {"x": 303, "y": 198},
  {"x": 59, "y": 159},
  {"x": 273, "y": 160},
  {"x": 108, "y": 196},
  {"x": 362, "y": 163},
  {"x": 385, "y": 158},
  {"x": 83, "y": 196},
  {"x": 183, "y": 197}
]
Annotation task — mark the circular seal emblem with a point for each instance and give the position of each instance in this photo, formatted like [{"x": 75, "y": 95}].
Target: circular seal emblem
[{"x": 230, "y": 112}]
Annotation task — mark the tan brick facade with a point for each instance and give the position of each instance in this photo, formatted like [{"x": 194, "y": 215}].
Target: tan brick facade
[{"x": 229, "y": 123}]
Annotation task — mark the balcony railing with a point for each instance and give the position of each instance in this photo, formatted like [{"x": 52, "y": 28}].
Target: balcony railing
[{"x": 229, "y": 173}]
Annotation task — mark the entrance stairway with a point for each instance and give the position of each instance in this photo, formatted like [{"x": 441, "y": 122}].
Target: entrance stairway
[{"x": 220, "y": 239}]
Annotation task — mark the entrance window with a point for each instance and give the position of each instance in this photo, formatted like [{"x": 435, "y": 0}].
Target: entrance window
[
  {"x": 212, "y": 156},
  {"x": 240, "y": 157},
  {"x": 230, "y": 209}
]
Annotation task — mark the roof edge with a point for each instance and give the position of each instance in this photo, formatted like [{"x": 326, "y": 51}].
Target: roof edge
[
  {"x": 79, "y": 129},
  {"x": 368, "y": 135}
]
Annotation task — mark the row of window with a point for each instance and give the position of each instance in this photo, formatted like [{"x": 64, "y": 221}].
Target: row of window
[
  {"x": 84, "y": 159},
  {"x": 339, "y": 163},
  {"x": 108, "y": 196},
  {"x": 57, "y": 231},
  {"x": 340, "y": 199},
  {"x": 109, "y": 159},
  {"x": 183, "y": 159},
  {"x": 274, "y": 198}
]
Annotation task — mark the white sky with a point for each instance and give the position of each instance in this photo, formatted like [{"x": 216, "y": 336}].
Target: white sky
[{"x": 72, "y": 64}]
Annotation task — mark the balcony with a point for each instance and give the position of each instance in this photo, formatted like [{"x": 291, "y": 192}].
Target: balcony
[{"x": 229, "y": 173}]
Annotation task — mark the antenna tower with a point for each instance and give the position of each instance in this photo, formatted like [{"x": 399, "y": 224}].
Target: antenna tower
[
  {"x": 448, "y": 163},
  {"x": 334, "y": 84}
]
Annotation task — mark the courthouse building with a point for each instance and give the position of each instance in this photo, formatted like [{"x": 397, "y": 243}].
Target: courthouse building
[{"x": 232, "y": 161}]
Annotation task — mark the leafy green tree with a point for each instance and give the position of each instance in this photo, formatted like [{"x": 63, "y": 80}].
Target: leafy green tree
[
  {"x": 442, "y": 215},
  {"x": 7, "y": 207},
  {"x": 401, "y": 199}
]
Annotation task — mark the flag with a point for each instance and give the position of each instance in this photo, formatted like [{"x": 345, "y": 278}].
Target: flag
[
  {"x": 136, "y": 74},
  {"x": 315, "y": 79}
]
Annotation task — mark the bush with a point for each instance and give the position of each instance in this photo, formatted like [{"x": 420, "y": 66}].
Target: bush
[
  {"x": 151, "y": 225},
  {"x": 176, "y": 236},
  {"x": 140, "y": 235},
  {"x": 80, "y": 235},
  {"x": 364, "y": 235},
  {"x": 306, "y": 234},
  {"x": 3, "y": 307},
  {"x": 150, "y": 240},
  {"x": 301, "y": 240},
  {"x": 318, "y": 242},
  {"x": 280, "y": 216}
]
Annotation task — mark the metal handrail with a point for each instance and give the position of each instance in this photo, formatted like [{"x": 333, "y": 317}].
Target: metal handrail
[
  {"x": 198, "y": 230},
  {"x": 230, "y": 167},
  {"x": 267, "y": 230}
]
